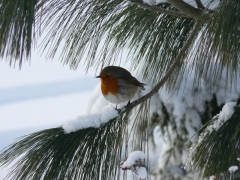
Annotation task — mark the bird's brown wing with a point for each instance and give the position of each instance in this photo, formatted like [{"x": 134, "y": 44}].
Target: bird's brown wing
[
  {"x": 126, "y": 76},
  {"x": 135, "y": 82}
]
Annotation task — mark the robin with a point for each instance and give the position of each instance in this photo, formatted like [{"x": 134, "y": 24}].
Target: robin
[{"x": 118, "y": 85}]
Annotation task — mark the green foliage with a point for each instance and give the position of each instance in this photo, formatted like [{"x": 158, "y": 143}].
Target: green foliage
[
  {"x": 219, "y": 44},
  {"x": 98, "y": 32},
  {"x": 111, "y": 27},
  {"x": 177, "y": 133},
  {"x": 87, "y": 154},
  {"x": 17, "y": 22},
  {"x": 52, "y": 154},
  {"x": 218, "y": 151}
]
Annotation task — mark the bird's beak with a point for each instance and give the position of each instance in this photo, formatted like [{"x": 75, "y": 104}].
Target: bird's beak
[{"x": 98, "y": 77}]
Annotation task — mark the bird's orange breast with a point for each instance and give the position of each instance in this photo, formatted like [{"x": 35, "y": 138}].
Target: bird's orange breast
[{"x": 109, "y": 85}]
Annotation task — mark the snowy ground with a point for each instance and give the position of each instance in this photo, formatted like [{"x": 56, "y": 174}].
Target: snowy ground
[{"x": 42, "y": 95}]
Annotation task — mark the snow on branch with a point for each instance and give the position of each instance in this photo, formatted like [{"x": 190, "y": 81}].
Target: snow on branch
[
  {"x": 232, "y": 169},
  {"x": 227, "y": 111},
  {"x": 94, "y": 120},
  {"x": 221, "y": 132},
  {"x": 133, "y": 158},
  {"x": 226, "y": 174},
  {"x": 222, "y": 117},
  {"x": 134, "y": 163}
]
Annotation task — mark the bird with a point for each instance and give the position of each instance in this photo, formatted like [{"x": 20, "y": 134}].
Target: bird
[{"x": 118, "y": 85}]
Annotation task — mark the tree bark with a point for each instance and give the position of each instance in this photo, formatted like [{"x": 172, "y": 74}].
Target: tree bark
[
  {"x": 160, "y": 10},
  {"x": 199, "y": 4},
  {"x": 188, "y": 9}
]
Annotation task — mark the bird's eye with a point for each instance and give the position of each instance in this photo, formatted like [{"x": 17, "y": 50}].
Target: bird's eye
[{"x": 107, "y": 76}]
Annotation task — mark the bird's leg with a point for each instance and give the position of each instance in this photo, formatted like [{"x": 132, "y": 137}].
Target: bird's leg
[
  {"x": 126, "y": 106},
  {"x": 117, "y": 109}
]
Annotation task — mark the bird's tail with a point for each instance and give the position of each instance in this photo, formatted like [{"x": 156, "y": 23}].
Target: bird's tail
[{"x": 141, "y": 86}]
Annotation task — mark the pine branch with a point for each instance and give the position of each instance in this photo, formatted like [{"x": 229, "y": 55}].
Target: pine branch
[
  {"x": 221, "y": 142},
  {"x": 219, "y": 41},
  {"x": 176, "y": 61},
  {"x": 48, "y": 144},
  {"x": 86, "y": 154},
  {"x": 53, "y": 154},
  {"x": 159, "y": 9},
  {"x": 189, "y": 10}
]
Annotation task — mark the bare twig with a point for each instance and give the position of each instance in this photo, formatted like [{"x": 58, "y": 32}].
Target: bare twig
[
  {"x": 169, "y": 72},
  {"x": 185, "y": 9},
  {"x": 189, "y": 10},
  {"x": 199, "y": 4},
  {"x": 159, "y": 9}
]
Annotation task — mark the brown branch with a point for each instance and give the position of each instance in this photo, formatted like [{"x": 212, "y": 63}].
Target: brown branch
[
  {"x": 189, "y": 10},
  {"x": 199, "y": 4},
  {"x": 159, "y": 9},
  {"x": 185, "y": 9},
  {"x": 168, "y": 73}
]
